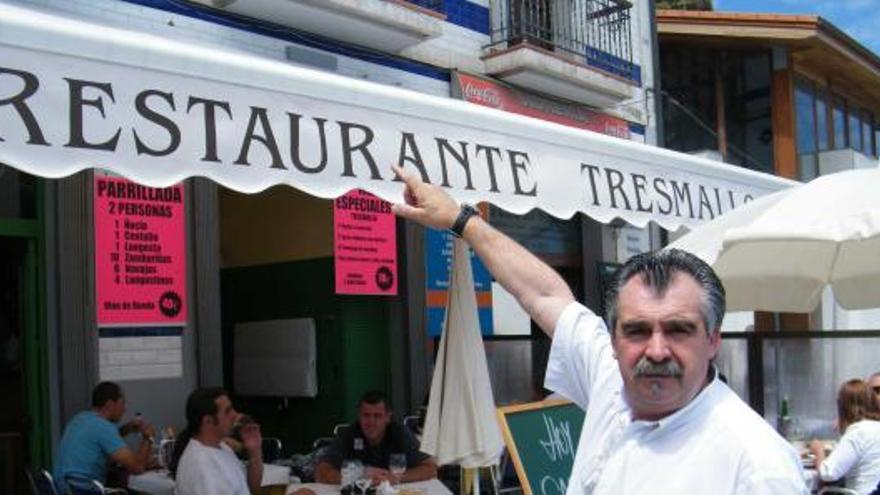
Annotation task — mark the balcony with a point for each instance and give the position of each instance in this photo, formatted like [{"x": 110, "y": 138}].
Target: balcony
[
  {"x": 580, "y": 49},
  {"x": 385, "y": 25}
]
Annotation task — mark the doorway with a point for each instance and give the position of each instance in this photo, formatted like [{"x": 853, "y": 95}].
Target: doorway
[
  {"x": 24, "y": 435},
  {"x": 14, "y": 418}
]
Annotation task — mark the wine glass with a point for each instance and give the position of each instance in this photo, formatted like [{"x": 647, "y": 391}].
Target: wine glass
[
  {"x": 351, "y": 471},
  {"x": 397, "y": 465}
]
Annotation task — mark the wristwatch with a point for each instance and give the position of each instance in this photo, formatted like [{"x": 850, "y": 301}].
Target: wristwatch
[{"x": 467, "y": 211}]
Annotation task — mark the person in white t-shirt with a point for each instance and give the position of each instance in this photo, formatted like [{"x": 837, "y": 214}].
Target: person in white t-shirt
[
  {"x": 203, "y": 464},
  {"x": 658, "y": 420},
  {"x": 857, "y": 454}
]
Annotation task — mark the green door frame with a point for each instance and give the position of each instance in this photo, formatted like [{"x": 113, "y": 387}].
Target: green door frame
[{"x": 35, "y": 346}]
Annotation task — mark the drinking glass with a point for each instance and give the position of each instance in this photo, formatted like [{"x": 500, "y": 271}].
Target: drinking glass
[
  {"x": 397, "y": 464},
  {"x": 351, "y": 471},
  {"x": 364, "y": 484}
]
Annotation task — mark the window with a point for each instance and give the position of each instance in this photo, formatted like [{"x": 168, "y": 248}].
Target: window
[
  {"x": 855, "y": 129},
  {"x": 839, "y": 122},
  {"x": 595, "y": 32},
  {"x": 745, "y": 77},
  {"x": 689, "y": 111},
  {"x": 805, "y": 115},
  {"x": 867, "y": 145},
  {"x": 876, "y": 138},
  {"x": 823, "y": 140}
]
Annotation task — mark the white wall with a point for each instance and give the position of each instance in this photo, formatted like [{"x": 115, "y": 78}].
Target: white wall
[{"x": 131, "y": 16}]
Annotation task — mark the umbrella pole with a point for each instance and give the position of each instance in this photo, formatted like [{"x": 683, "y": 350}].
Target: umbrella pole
[{"x": 470, "y": 481}]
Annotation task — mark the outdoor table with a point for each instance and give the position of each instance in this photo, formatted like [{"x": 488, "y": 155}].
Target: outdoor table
[
  {"x": 811, "y": 474},
  {"x": 811, "y": 478},
  {"x": 159, "y": 482},
  {"x": 429, "y": 487},
  {"x": 155, "y": 482}
]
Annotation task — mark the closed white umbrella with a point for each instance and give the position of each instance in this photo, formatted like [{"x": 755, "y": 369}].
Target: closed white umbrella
[
  {"x": 779, "y": 252},
  {"x": 460, "y": 427}
]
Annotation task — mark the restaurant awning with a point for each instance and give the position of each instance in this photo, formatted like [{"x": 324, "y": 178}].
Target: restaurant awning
[{"x": 75, "y": 95}]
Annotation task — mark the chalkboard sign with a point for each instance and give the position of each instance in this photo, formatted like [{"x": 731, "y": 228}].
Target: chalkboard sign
[{"x": 542, "y": 439}]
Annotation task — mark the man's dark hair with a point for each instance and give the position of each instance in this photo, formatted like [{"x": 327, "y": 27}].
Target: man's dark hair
[
  {"x": 105, "y": 392},
  {"x": 374, "y": 397},
  {"x": 657, "y": 269},
  {"x": 200, "y": 403}
]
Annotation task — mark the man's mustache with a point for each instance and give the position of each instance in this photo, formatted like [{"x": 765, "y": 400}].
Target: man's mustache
[{"x": 646, "y": 367}]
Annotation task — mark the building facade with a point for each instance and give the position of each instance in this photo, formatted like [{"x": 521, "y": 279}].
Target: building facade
[{"x": 585, "y": 64}]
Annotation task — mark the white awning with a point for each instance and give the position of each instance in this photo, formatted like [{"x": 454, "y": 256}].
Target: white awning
[{"x": 75, "y": 95}]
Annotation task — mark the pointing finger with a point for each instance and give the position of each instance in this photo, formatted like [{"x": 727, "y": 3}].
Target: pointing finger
[{"x": 408, "y": 178}]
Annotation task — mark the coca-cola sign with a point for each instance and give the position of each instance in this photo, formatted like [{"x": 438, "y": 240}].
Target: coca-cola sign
[
  {"x": 491, "y": 94},
  {"x": 481, "y": 94}
]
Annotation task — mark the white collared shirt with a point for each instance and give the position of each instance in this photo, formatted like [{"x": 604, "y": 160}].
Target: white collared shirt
[
  {"x": 206, "y": 470},
  {"x": 714, "y": 445},
  {"x": 856, "y": 456}
]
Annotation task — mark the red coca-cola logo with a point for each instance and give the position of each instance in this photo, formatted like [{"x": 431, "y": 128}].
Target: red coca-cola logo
[{"x": 482, "y": 94}]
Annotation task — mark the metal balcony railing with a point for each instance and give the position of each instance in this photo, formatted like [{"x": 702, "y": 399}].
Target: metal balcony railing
[
  {"x": 438, "y": 6},
  {"x": 595, "y": 32}
]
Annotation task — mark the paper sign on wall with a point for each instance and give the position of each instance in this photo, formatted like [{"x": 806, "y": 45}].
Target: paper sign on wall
[
  {"x": 365, "y": 245},
  {"x": 140, "y": 253},
  {"x": 438, "y": 261}
]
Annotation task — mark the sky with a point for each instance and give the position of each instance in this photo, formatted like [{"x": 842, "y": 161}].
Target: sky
[{"x": 860, "y": 19}]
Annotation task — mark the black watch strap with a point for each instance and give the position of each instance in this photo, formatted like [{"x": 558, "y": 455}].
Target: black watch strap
[{"x": 467, "y": 211}]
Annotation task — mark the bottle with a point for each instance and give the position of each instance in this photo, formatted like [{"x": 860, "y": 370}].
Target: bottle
[
  {"x": 784, "y": 420},
  {"x": 165, "y": 447},
  {"x": 157, "y": 459}
]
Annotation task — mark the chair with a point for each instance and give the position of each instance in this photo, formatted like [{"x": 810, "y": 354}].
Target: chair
[
  {"x": 340, "y": 428},
  {"x": 322, "y": 442},
  {"x": 272, "y": 449},
  {"x": 41, "y": 482},
  {"x": 412, "y": 423},
  {"x": 500, "y": 473},
  {"x": 81, "y": 485},
  {"x": 836, "y": 490}
]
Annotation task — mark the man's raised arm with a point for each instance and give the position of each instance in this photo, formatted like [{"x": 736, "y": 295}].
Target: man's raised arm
[{"x": 536, "y": 286}]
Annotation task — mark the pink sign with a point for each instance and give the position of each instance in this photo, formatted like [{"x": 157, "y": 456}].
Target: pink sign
[
  {"x": 365, "y": 245},
  {"x": 140, "y": 253},
  {"x": 491, "y": 94}
]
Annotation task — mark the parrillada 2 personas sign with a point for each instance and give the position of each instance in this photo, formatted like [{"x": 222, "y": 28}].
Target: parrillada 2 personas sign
[{"x": 140, "y": 253}]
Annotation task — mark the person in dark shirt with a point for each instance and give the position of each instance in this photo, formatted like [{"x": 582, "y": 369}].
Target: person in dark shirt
[{"x": 372, "y": 440}]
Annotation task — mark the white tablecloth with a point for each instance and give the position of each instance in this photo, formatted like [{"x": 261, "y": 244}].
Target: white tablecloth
[
  {"x": 160, "y": 482},
  {"x": 811, "y": 478},
  {"x": 430, "y": 487},
  {"x": 152, "y": 482}
]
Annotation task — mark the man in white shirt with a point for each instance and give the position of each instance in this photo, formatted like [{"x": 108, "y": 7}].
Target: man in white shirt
[
  {"x": 658, "y": 421},
  {"x": 207, "y": 465}
]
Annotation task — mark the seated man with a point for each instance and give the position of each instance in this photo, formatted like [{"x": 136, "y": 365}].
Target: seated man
[
  {"x": 203, "y": 463},
  {"x": 372, "y": 440},
  {"x": 92, "y": 439}
]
